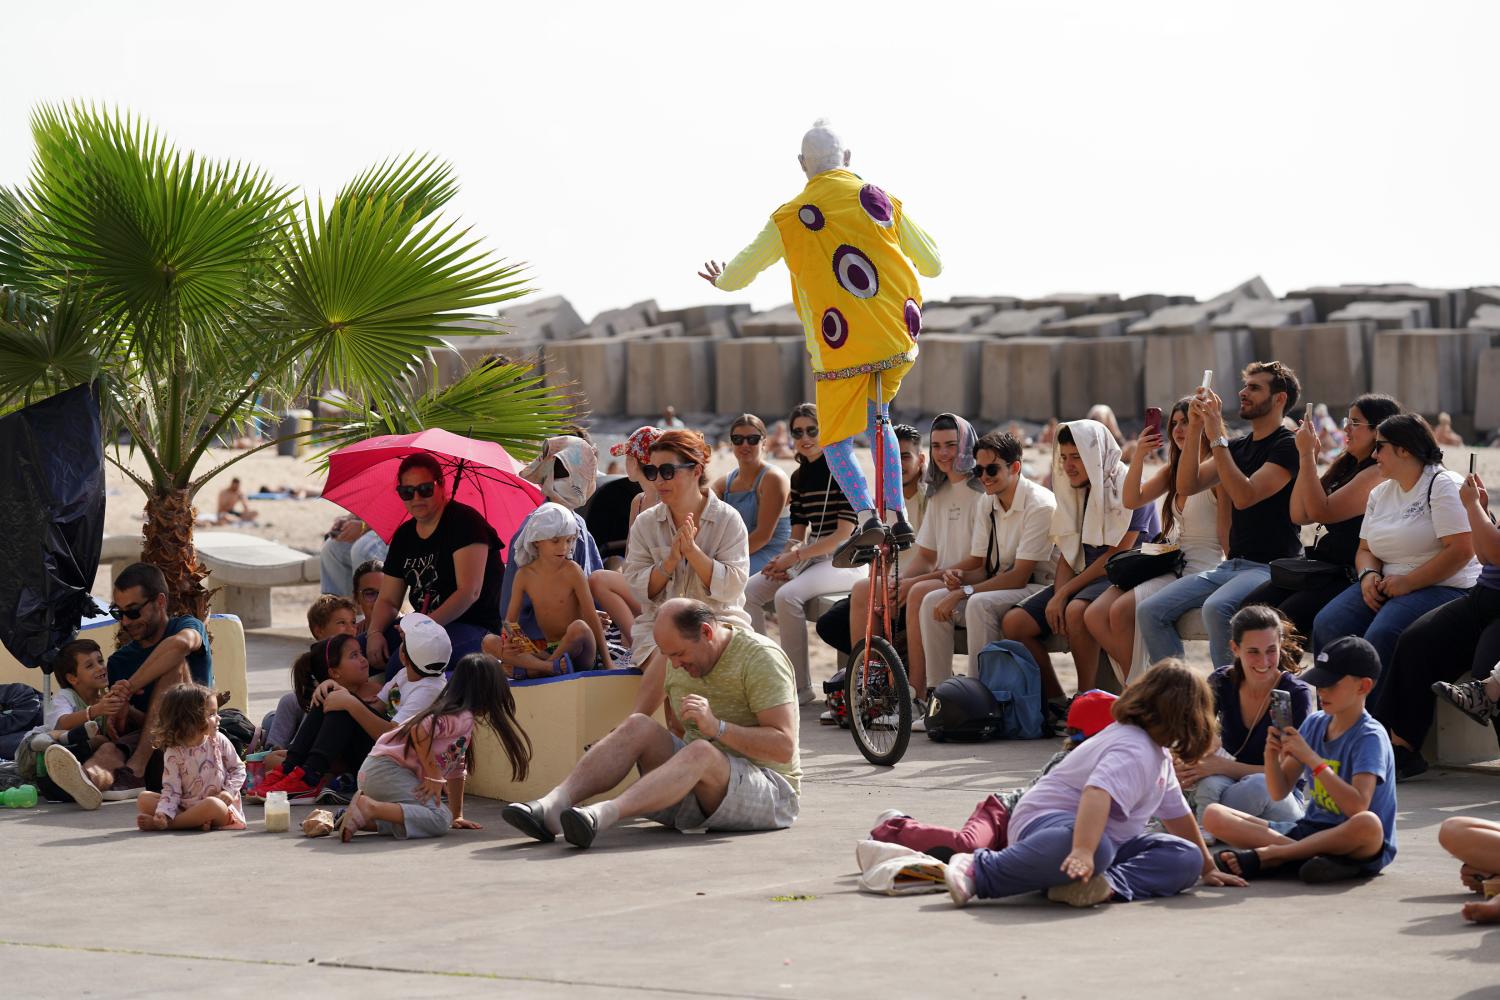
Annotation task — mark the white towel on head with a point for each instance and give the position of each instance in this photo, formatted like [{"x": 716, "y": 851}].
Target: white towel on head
[
  {"x": 550, "y": 520},
  {"x": 1105, "y": 518}
]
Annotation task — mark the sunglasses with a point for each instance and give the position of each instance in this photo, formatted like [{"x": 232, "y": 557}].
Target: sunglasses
[
  {"x": 739, "y": 439},
  {"x": 990, "y": 471},
  {"x": 798, "y": 432},
  {"x": 423, "y": 490},
  {"x": 1379, "y": 444},
  {"x": 129, "y": 614},
  {"x": 667, "y": 470},
  {"x": 369, "y": 593}
]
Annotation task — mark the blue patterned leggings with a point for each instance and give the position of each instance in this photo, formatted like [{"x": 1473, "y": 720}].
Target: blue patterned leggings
[{"x": 851, "y": 479}]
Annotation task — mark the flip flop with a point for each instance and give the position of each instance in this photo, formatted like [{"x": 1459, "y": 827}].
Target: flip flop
[
  {"x": 1247, "y": 861},
  {"x": 525, "y": 816}
]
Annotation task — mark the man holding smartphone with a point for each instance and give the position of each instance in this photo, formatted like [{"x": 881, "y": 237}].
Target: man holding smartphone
[{"x": 1256, "y": 471}]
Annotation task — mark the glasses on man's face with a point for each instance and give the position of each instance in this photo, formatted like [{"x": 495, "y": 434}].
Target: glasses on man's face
[
  {"x": 1355, "y": 423},
  {"x": 1379, "y": 444},
  {"x": 423, "y": 490},
  {"x": 130, "y": 613},
  {"x": 990, "y": 471},
  {"x": 739, "y": 439},
  {"x": 666, "y": 470},
  {"x": 369, "y": 593},
  {"x": 811, "y": 432}
]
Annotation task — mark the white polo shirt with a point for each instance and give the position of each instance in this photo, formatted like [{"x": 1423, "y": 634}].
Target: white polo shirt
[
  {"x": 1021, "y": 533},
  {"x": 948, "y": 524}
]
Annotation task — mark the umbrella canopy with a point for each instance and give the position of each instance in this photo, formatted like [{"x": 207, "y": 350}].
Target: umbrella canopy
[{"x": 362, "y": 479}]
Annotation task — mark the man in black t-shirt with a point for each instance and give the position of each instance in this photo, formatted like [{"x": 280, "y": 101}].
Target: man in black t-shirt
[
  {"x": 1254, "y": 475},
  {"x": 446, "y": 560}
]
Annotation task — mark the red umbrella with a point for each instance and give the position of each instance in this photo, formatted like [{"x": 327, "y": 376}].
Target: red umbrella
[{"x": 362, "y": 479}]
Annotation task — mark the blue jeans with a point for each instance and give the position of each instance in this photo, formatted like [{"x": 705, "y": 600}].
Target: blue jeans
[
  {"x": 1153, "y": 864},
  {"x": 1348, "y": 614},
  {"x": 338, "y": 560},
  {"x": 1249, "y": 796},
  {"x": 1219, "y": 592}
]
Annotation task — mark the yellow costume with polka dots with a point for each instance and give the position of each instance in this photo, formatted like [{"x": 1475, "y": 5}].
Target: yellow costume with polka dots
[{"x": 856, "y": 293}]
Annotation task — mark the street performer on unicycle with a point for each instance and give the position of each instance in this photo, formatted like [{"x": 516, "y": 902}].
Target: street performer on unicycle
[{"x": 854, "y": 257}]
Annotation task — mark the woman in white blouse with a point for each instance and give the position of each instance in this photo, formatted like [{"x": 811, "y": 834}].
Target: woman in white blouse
[
  {"x": 690, "y": 544},
  {"x": 1194, "y": 523},
  {"x": 1416, "y": 552}
]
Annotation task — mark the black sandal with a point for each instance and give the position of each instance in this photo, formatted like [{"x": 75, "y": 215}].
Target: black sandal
[{"x": 1248, "y": 862}]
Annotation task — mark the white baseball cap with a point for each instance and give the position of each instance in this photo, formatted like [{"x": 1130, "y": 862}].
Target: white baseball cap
[{"x": 427, "y": 644}]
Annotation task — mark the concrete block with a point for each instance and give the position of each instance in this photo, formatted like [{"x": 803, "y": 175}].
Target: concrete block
[
  {"x": 1487, "y": 405},
  {"x": 696, "y": 319},
  {"x": 1078, "y": 303},
  {"x": 551, "y": 318},
  {"x": 1447, "y": 304},
  {"x": 1019, "y": 379},
  {"x": 1185, "y": 319},
  {"x": 1430, "y": 371},
  {"x": 760, "y": 375},
  {"x": 1408, "y": 314},
  {"x": 614, "y": 322},
  {"x": 1255, "y": 288},
  {"x": 1485, "y": 317},
  {"x": 1106, "y": 370},
  {"x": 1330, "y": 360},
  {"x": 1261, "y": 317},
  {"x": 596, "y": 369},
  {"x": 1149, "y": 302},
  {"x": 999, "y": 302},
  {"x": 1019, "y": 322},
  {"x": 947, "y": 374},
  {"x": 953, "y": 319},
  {"x": 782, "y": 321},
  {"x": 660, "y": 331},
  {"x": 1475, "y": 298},
  {"x": 676, "y": 372},
  {"x": 1174, "y": 363},
  {"x": 1092, "y": 326}
]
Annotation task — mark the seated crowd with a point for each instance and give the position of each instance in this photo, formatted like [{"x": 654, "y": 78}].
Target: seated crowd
[{"x": 1397, "y": 598}]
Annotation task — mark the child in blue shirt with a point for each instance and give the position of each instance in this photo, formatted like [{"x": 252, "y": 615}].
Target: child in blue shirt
[{"x": 1349, "y": 829}]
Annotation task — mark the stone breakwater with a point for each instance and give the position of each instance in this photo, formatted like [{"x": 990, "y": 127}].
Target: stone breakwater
[{"x": 1004, "y": 358}]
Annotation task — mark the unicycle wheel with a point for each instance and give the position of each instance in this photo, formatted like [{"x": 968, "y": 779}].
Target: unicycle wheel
[{"x": 879, "y": 702}]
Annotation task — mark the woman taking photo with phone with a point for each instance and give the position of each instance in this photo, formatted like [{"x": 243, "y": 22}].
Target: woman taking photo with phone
[{"x": 689, "y": 544}]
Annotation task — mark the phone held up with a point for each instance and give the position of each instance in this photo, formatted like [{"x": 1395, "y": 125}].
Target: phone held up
[
  {"x": 1153, "y": 420},
  {"x": 1281, "y": 708}
]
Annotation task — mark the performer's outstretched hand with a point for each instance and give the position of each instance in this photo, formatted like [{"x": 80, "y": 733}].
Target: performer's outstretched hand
[{"x": 711, "y": 271}]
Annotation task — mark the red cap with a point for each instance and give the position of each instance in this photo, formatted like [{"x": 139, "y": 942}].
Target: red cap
[{"x": 1090, "y": 712}]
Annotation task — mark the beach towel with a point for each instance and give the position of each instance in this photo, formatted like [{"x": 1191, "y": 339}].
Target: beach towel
[
  {"x": 566, "y": 471},
  {"x": 1104, "y": 519},
  {"x": 967, "y": 436},
  {"x": 550, "y": 520}
]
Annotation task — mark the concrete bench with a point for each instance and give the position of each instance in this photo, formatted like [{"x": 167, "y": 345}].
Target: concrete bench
[
  {"x": 562, "y": 716},
  {"x": 243, "y": 567},
  {"x": 226, "y": 638}
]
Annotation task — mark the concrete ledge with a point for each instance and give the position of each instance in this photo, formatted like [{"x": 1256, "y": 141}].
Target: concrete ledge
[{"x": 226, "y": 636}]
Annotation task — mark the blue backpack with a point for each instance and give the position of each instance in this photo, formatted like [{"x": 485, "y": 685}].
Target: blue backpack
[{"x": 1012, "y": 676}]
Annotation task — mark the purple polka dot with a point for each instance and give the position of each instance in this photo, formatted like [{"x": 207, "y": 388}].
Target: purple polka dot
[
  {"x": 913, "y": 318},
  {"x": 877, "y": 205},
  {"x": 811, "y": 217},
  {"x": 835, "y": 328},
  {"x": 855, "y": 272}
]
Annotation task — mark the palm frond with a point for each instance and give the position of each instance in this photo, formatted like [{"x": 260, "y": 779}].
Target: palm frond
[
  {"x": 44, "y": 351},
  {"x": 420, "y": 185}
]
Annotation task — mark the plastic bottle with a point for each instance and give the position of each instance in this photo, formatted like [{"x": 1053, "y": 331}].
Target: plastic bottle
[
  {"x": 20, "y": 797},
  {"x": 278, "y": 813}
]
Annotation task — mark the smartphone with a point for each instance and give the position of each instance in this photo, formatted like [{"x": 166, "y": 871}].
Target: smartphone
[
  {"x": 1281, "y": 708},
  {"x": 1153, "y": 420},
  {"x": 1208, "y": 379},
  {"x": 1471, "y": 463}
]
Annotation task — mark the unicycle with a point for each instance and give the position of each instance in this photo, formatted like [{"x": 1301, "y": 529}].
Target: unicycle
[{"x": 875, "y": 688}]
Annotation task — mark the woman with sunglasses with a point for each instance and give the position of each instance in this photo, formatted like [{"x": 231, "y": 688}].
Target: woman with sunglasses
[
  {"x": 822, "y": 520},
  {"x": 690, "y": 544},
  {"x": 762, "y": 503},
  {"x": 1416, "y": 548},
  {"x": 1335, "y": 501}
]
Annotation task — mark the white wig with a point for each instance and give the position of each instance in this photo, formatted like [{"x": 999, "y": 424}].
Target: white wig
[{"x": 822, "y": 149}]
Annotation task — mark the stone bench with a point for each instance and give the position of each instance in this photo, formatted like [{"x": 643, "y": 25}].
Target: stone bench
[
  {"x": 226, "y": 638},
  {"x": 244, "y": 567},
  {"x": 562, "y": 716}
]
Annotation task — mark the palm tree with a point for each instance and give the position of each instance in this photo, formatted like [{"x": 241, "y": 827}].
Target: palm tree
[{"x": 200, "y": 296}]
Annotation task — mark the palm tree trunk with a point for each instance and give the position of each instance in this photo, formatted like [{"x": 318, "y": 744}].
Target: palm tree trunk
[{"x": 168, "y": 545}]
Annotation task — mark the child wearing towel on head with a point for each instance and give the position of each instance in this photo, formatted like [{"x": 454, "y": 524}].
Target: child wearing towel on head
[{"x": 559, "y": 593}]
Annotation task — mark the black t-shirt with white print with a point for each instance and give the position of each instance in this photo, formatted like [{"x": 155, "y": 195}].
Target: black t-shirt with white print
[{"x": 426, "y": 564}]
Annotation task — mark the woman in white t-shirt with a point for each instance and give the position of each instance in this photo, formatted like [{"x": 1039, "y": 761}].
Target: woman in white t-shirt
[{"x": 1415, "y": 548}]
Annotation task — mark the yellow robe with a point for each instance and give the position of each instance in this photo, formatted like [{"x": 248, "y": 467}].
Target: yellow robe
[{"x": 856, "y": 292}]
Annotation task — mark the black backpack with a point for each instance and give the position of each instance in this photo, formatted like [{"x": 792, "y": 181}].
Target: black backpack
[
  {"x": 20, "y": 712},
  {"x": 963, "y": 709}
]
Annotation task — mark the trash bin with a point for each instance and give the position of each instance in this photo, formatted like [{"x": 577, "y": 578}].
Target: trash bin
[{"x": 293, "y": 422}]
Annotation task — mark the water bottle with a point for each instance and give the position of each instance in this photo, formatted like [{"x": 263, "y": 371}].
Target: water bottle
[
  {"x": 20, "y": 797},
  {"x": 278, "y": 813}
]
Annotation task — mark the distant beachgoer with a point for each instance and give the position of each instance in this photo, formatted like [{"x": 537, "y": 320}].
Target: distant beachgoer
[
  {"x": 779, "y": 445},
  {"x": 1445, "y": 433},
  {"x": 348, "y": 543},
  {"x": 850, "y": 249},
  {"x": 233, "y": 504},
  {"x": 670, "y": 420}
]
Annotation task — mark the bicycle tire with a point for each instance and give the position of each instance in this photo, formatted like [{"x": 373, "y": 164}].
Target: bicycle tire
[{"x": 879, "y": 702}]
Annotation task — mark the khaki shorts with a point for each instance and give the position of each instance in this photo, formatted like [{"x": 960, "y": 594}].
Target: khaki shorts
[{"x": 758, "y": 798}]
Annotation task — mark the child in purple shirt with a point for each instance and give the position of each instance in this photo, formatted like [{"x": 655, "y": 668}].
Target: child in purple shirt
[{"x": 1080, "y": 832}]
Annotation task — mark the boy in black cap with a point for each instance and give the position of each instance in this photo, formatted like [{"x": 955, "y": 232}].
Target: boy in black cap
[{"x": 1349, "y": 829}]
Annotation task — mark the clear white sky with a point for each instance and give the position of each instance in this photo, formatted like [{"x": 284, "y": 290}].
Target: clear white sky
[{"x": 1173, "y": 147}]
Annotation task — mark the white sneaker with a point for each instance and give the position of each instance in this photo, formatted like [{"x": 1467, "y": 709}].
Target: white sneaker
[
  {"x": 1089, "y": 892},
  {"x": 958, "y": 876},
  {"x": 889, "y": 815},
  {"x": 919, "y": 722},
  {"x": 828, "y": 718},
  {"x": 67, "y": 773},
  {"x": 888, "y": 721}
]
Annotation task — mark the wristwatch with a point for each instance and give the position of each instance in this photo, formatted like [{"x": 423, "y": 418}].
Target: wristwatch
[
  {"x": 1219, "y": 442},
  {"x": 968, "y": 590},
  {"x": 1366, "y": 572}
]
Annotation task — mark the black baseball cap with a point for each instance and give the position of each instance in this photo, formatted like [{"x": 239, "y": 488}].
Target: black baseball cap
[{"x": 1350, "y": 656}]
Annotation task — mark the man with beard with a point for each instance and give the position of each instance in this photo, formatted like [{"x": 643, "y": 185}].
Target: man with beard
[{"x": 1257, "y": 471}]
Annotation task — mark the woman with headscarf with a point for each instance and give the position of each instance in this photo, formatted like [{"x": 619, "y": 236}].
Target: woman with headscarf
[{"x": 1091, "y": 523}]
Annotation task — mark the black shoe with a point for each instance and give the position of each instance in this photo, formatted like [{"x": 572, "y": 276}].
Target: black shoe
[
  {"x": 902, "y": 534},
  {"x": 525, "y": 816},
  {"x": 1409, "y": 763},
  {"x": 849, "y": 554},
  {"x": 1324, "y": 868},
  {"x": 579, "y": 827},
  {"x": 870, "y": 534}
]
